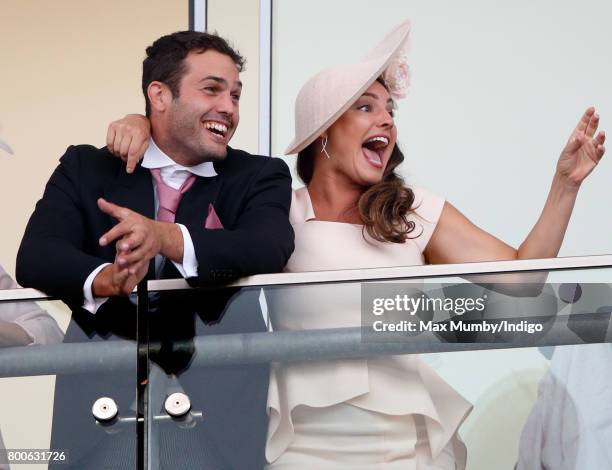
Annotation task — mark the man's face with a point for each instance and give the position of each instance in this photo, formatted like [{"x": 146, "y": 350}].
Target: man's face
[{"x": 204, "y": 117}]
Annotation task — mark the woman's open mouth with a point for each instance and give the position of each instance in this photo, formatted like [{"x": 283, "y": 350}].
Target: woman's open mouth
[{"x": 373, "y": 150}]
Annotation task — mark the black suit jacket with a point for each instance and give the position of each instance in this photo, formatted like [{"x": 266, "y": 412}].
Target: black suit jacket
[{"x": 251, "y": 195}]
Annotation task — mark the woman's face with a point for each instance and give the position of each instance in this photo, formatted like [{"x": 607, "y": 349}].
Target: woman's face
[{"x": 361, "y": 140}]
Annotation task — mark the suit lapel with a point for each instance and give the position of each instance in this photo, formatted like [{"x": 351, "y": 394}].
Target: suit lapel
[{"x": 134, "y": 191}]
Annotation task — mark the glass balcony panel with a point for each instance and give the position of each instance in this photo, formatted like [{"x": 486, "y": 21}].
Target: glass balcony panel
[
  {"x": 68, "y": 386},
  {"x": 206, "y": 411},
  {"x": 293, "y": 363}
]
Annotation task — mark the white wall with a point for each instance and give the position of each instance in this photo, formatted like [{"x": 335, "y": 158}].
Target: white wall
[{"x": 237, "y": 20}]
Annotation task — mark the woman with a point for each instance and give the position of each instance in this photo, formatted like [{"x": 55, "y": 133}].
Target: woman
[{"x": 355, "y": 212}]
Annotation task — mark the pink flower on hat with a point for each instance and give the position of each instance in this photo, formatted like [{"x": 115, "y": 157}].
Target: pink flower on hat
[{"x": 397, "y": 76}]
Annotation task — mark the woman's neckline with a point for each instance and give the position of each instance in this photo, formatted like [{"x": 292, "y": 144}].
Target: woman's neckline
[
  {"x": 313, "y": 215},
  {"x": 331, "y": 222}
]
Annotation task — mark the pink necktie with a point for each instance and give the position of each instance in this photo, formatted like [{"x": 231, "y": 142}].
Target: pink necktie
[{"x": 169, "y": 197}]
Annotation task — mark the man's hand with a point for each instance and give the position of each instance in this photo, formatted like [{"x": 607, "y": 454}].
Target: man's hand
[
  {"x": 140, "y": 238},
  {"x": 114, "y": 280}
]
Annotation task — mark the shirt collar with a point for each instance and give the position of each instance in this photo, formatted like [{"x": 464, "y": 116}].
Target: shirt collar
[{"x": 154, "y": 157}]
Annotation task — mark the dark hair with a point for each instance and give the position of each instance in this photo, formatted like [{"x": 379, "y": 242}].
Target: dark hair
[
  {"x": 384, "y": 207},
  {"x": 165, "y": 58}
]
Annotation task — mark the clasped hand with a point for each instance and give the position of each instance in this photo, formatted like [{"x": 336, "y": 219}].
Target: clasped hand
[{"x": 138, "y": 239}]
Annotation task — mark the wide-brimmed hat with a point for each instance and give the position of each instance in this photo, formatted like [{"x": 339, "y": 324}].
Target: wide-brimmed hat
[{"x": 327, "y": 95}]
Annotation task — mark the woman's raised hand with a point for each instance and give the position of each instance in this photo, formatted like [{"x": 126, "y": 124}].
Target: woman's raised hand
[
  {"x": 128, "y": 139},
  {"x": 583, "y": 150}
]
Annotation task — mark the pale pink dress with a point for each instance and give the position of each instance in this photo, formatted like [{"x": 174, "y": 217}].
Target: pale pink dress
[{"x": 386, "y": 413}]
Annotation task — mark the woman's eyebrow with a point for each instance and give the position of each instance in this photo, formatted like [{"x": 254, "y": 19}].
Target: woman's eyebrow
[
  {"x": 376, "y": 97},
  {"x": 371, "y": 95}
]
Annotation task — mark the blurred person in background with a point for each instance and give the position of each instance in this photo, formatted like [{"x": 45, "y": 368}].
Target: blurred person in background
[{"x": 23, "y": 323}]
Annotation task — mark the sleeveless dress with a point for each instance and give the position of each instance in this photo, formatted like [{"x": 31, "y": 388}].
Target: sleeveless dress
[{"x": 389, "y": 412}]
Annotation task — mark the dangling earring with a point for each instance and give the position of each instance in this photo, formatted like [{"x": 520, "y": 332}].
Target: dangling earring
[{"x": 323, "y": 149}]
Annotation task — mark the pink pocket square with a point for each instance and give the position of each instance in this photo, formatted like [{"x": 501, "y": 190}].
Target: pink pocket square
[{"x": 212, "y": 220}]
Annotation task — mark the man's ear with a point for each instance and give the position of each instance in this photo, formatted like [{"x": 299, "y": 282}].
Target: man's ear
[{"x": 159, "y": 95}]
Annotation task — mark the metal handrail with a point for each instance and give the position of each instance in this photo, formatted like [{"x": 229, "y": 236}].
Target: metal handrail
[
  {"x": 364, "y": 275},
  {"x": 281, "y": 346}
]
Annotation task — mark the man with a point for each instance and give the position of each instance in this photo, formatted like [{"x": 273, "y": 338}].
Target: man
[{"x": 231, "y": 221}]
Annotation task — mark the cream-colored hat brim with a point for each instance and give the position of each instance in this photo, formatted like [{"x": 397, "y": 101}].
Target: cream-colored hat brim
[{"x": 327, "y": 95}]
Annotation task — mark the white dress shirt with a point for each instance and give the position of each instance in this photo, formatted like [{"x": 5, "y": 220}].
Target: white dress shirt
[{"x": 173, "y": 175}]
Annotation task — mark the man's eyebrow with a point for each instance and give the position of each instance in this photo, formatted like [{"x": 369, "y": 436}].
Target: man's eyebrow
[
  {"x": 220, "y": 80},
  {"x": 214, "y": 78}
]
